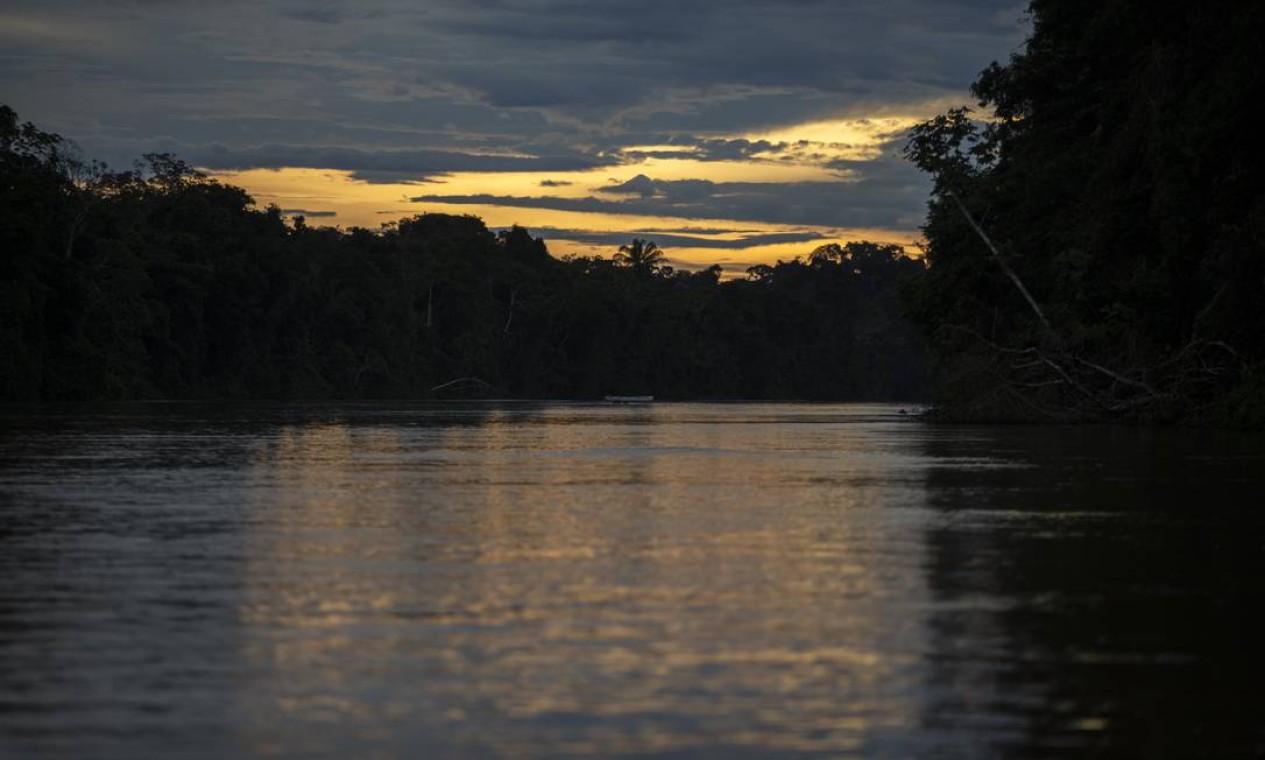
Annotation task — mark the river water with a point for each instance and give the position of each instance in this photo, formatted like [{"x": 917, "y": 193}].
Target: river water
[{"x": 675, "y": 580}]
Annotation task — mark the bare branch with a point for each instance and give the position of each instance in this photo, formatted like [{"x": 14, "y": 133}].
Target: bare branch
[
  {"x": 471, "y": 380},
  {"x": 1117, "y": 376},
  {"x": 1001, "y": 262}
]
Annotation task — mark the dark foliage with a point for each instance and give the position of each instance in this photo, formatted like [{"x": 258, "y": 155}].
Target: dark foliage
[
  {"x": 1119, "y": 178},
  {"x": 163, "y": 283}
]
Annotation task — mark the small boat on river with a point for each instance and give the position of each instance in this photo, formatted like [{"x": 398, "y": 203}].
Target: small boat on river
[{"x": 630, "y": 399}]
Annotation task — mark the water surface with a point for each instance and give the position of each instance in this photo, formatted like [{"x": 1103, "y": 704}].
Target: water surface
[{"x": 687, "y": 580}]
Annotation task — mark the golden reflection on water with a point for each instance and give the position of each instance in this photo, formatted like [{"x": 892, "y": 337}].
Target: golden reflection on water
[
  {"x": 583, "y": 581},
  {"x": 744, "y": 580}
]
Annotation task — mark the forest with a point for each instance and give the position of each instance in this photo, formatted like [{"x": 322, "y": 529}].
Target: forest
[
  {"x": 1094, "y": 250},
  {"x": 1096, "y": 232},
  {"x": 162, "y": 283}
]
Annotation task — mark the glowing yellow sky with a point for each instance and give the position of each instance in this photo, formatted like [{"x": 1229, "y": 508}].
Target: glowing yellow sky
[
  {"x": 853, "y": 139},
  {"x": 800, "y": 159},
  {"x": 362, "y": 204}
]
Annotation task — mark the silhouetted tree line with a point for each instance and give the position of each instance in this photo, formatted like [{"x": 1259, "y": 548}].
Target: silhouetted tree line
[
  {"x": 162, "y": 283},
  {"x": 1097, "y": 243}
]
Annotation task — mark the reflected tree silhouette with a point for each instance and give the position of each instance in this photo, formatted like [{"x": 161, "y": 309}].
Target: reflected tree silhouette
[{"x": 1118, "y": 593}]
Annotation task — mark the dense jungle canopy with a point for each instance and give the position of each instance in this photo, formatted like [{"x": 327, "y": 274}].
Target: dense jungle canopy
[
  {"x": 160, "y": 282},
  {"x": 1095, "y": 250},
  {"x": 1096, "y": 235}
]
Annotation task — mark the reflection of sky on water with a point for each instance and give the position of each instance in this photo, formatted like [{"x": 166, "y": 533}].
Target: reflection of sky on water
[
  {"x": 589, "y": 580},
  {"x": 528, "y": 579}
]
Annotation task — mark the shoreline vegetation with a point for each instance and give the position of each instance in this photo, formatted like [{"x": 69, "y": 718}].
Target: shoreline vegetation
[
  {"x": 1096, "y": 234},
  {"x": 1095, "y": 252},
  {"x": 162, "y": 283}
]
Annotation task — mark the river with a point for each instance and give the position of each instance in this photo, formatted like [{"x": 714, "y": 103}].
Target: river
[{"x": 676, "y": 580}]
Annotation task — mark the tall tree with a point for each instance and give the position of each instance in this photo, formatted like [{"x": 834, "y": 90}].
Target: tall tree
[
  {"x": 641, "y": 256},
  {"x": 176, "y": 286},
  {"x": 1097, "y": 243}
]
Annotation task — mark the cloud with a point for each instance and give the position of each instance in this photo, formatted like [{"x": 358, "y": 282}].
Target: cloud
[
  {"x": 640, "y": 185},
  {"x": 316, "y": 15},
  {"x": 814, "y": 204},
  {"x": 549, "y": 202},
  {"x": 668, "y": 240},
  {"x": 701, "y": 148},
  {"x": 734, "y": 150},
  {"x": 397, "y": 91},
  {"x": 307, "y": 213},
  {"x": 650, "y": 52},
  {"x": 671, "y": 191},
  {"x": 382, "y": 165},
  {"x": 696, "y": 68},
  {"x": 886, "y": 193}
]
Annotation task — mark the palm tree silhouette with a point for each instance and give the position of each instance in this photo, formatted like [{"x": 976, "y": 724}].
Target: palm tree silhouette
[{"x": 640, "y": 256}]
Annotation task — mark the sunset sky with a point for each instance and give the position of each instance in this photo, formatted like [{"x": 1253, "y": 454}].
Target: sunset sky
[{"x": 732, "y": 132}]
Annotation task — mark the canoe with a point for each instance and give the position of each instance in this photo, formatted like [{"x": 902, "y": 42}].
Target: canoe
[{"x": 629, "y": 399}]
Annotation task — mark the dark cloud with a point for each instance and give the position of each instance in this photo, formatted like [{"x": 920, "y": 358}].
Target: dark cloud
[
  {"x": 649, "y": 50},
  {"x": 394, "y": 177},
  {"x": 700, "y": 148},
  {"x": 395, "y": 90},
  {"x": 815, "y": 204},
  {"x": 668, "y": 240},
  {"x": 704, "y": 66},
  {"x": 886, "y": 193},
  {"x": 734, "y": 150},
  {"x": 639, "y": 185},
  {"x": 558, "y": 204},
  {"x": 555, "y": 183},
  {"x": 695, "y": 231},
  {"x": 671, "y": 191},
  {"x": 307, "y": 213},
  {"x": 380, "y": 166},
  {"x": 316, "y": 15},
  {"x": 644, "y": 154}
]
